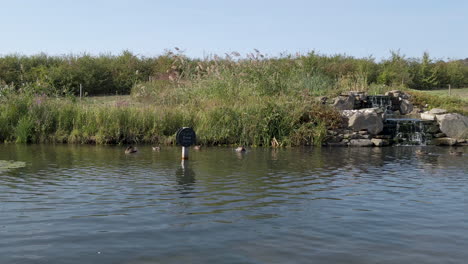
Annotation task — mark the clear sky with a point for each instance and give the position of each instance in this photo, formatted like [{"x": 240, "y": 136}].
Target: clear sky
[{"x": 358, "y": 28}]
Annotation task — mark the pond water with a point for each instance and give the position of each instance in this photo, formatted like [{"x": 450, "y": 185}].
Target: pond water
[{"x": 92, "y": 204}]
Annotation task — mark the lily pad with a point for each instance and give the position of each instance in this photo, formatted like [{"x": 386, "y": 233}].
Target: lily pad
[{"x": 11, "y": 164}]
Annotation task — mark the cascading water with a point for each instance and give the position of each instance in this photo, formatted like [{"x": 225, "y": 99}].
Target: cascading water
[
  {"x": 406, "y": 131},
  {"x": 380, "y": 101}
]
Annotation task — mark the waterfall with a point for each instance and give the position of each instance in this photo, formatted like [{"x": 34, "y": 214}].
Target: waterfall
[
  {"x": 381, "y": 101},
  {"x": 406, "y": 131}
]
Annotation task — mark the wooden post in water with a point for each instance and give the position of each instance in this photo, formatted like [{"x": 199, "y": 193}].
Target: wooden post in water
[
  {"x": 450, "y": 88},
  {"x": 185, "y": 151}
]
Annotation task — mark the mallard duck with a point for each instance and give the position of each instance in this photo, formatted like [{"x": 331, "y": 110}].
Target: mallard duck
[
  {"x": 240, "y": 149},
  {"x": 156, "y": 148},
  {"x": 421, "y": 152},
  {"x": 197, "y": 147},
  {"x": 456, "y": 153},
  {"x": 130, "y": 150}
]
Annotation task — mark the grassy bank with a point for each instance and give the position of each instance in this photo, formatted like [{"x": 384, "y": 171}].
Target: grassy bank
[
  {"x": 251, "y": 101},
  {"x": 42, "y": 119}
]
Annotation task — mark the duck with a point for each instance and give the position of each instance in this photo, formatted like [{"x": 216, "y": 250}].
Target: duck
[
  {"x": 156, "y": 148},
  {"x": 130, "y": 150},
  {"x": 421, "y": 152},
  {"x": 456, "y": 153},
  {"x": 240, "y": 149},
  {"x": 197, "y": 147}
]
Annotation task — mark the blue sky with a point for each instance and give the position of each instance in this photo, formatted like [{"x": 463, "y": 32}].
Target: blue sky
[{"x": 358, "y": 28}]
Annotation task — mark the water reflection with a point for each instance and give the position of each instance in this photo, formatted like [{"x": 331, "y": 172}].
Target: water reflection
[
  {"x": 267, "y": 205},
  {"x": 185, "y": 175}
]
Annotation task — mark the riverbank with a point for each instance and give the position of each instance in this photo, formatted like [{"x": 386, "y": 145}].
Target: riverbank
[
  {"x": 249, "y": 119},
  {"x": 251, "y": 101}
]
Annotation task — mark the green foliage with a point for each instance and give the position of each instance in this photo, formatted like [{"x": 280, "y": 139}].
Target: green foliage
[
  {"x": 318, "y": 74},
  {"x": 433, "y": 101}
]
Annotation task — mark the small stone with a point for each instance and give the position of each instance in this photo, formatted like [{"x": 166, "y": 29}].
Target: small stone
[
  {"x": 338, "y": 144},
  {"x": 361, "y": 143},
  {"x": 363, "y": 132},
  {"x": 438, "y": 111},
  {"x": 383, "y": 137},
  {"x": 445, "y": 141},
  {"x": 427, "y": 116},
  {"x": 440, "y": 135}
]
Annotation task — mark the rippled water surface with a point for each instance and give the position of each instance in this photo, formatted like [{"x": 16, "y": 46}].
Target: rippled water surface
[{"x": 88, "y": 204}]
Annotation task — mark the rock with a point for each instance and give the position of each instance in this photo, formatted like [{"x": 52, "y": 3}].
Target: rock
[
  {"x": 383, "y": 137},
  {"x": 361, "y": 143},
  {"x": 445, "y": 141},
  {"x": 393, "y": 93},
  {"x": 437, "y": 111},
  {"x": 380, "y": 142},
  {"x": 398, "y": 94},
  {"x": 406, "y": 107},
  {"x": 363, "y": 132},
  {"x": 344, "y": 102},
  {"x": 351, "y": 136},
  {"x": 338, "y": 144},
  {"x": 427, "y": 116},
  {"x": 364, "y": 119},
  {"x": 431, "y": 128},
  {"x": 367, "y": 136},
  {"x": 334, "y": 139},
  {"x": 453, "y": 125},
  {"x": 358, "y": 95},
  {"x": 440, "y": 135}
]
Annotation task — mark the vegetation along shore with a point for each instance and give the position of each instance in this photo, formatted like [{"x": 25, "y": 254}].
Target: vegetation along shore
[{"x": 251, "y": 100}]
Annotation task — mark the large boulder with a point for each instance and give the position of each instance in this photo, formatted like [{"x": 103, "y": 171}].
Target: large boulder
[
  {"x": 365, "y": 119},
  {"x": 406, "y": 107},
  {"x": 344, "y": 102},
  {"x": 453, "y": 125}
]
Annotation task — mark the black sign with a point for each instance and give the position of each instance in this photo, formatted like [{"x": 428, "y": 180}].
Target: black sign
[{"x": 186, "y": 137}]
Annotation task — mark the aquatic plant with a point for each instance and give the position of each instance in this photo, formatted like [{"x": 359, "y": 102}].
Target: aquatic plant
[{"x": 10, "y": 164}]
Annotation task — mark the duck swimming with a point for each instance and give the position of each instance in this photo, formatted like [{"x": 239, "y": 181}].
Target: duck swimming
[
  {"x": 156, "y": 148},
  {"x": 240, "y": 149},
  {"x": 421, "y": 152},
  {"x": 456, "y": 153},
  {"x": 197, "y": 147},
  {"x": 130, "y": 150}
]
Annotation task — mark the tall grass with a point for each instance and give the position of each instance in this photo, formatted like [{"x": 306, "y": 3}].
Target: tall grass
[
  {"x": 252, "y": 100},
  {"x": 251, "y": 121}
]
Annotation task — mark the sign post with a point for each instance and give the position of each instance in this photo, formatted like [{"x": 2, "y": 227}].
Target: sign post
[{"x": 186, "y": 137}]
